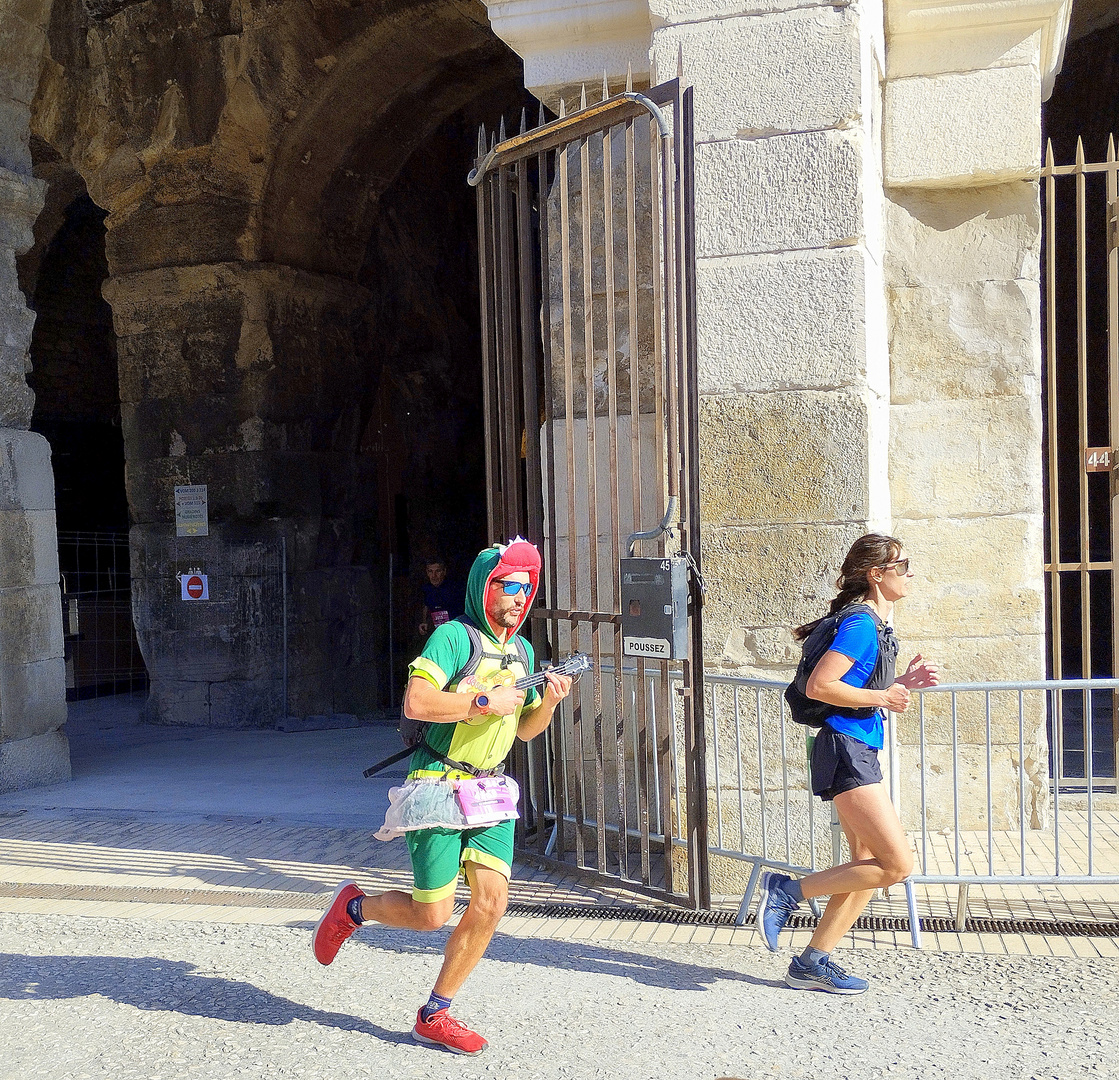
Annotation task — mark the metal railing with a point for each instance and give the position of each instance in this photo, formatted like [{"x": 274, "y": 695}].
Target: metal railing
[{"x": 968, "y": 768}]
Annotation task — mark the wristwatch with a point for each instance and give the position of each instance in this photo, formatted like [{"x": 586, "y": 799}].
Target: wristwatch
[{"x": 482, "y": 701}]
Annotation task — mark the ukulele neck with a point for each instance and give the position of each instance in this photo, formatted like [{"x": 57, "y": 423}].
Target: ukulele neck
[{"x": 530, "y": 681}]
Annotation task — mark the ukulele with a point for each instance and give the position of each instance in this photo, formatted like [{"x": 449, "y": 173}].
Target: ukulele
[{"x": 574, "y": 665}]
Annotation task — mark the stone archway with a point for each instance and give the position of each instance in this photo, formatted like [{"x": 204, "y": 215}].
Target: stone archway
[
  {"x": 33, "y": 748},
  {"x": 245, "y": 167}
]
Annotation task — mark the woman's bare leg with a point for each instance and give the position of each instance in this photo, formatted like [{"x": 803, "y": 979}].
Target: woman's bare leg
[
  {"x": 881, "y": 856},
  {"x": 843, "y": 908}
]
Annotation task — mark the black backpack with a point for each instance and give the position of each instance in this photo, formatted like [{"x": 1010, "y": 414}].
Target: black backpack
[{"x": 812, "y": 713}]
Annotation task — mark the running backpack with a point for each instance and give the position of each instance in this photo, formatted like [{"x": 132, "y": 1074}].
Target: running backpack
[
  {"x": 412, "y": 731},
  {"x": 812, "y": 713}
]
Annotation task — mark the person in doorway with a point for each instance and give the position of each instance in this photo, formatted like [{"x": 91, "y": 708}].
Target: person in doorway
[
  {"x": 467, "y": 735},
  {"x": 856, "y": 676},
  {"x": 443, "y": 599}
]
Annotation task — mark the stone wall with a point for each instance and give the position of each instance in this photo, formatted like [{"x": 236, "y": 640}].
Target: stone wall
[
  {"x": 792, "y": 350},
  {"x": 848, "y": 305},
  {"x": 242, "y": 152},
  {"x": 33, "y": 748},
  {"x": 963, "y": 241}
]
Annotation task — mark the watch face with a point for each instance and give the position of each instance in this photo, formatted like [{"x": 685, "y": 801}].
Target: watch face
[{"x": 482, "y": 701}]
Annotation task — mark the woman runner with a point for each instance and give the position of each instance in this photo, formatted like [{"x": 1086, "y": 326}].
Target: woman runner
[{"x": 845, "y": 770}]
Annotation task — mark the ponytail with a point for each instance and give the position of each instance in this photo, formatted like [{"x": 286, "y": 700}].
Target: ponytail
[{"x": 874, "y": 549}]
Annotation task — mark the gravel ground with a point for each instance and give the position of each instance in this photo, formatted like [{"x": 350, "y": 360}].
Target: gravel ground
[{"x": 83, "y": 997}]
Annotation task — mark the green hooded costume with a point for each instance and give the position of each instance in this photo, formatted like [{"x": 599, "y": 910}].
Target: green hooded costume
[{"x": 483, "y": 741}]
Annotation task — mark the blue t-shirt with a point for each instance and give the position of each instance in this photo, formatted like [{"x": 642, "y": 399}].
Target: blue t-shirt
[{"x": 857, "y": 639}]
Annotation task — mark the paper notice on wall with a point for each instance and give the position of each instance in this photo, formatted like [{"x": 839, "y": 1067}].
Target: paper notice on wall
[{"x": 192, "y": 512}]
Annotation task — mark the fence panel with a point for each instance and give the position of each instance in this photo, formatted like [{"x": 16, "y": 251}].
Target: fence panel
[
  {"x": 102, "y": 655},
  {"x": 968, "y": 770}
]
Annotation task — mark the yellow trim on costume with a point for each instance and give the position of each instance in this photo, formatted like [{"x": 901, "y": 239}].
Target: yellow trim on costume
[
  {"x": 433, "y": 896},
  {"x": 428, "y": 669},
  {"x": 484, "y": 858},
  {"x": 438, "y": 774}
]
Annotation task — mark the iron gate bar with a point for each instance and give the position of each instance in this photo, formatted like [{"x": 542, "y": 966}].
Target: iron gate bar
[
  {"x": 1085, "y": 566},
  {"x": 514, "y": 291},
  {"x": 589, "y": 120},
  {"x": 585, "y": 202},
  {"x": 662, "y": 746},
  {"x": 559, "y": 756},
  {"x": 615, "y": 494},
  {"x": 694, "y": 726}
]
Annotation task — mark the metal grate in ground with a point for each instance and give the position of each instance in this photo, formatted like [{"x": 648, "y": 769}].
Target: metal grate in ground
[{"x": 799, "y": 921}]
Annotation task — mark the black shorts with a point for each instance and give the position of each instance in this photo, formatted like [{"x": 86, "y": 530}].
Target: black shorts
[{"x": 841, "y": 763}]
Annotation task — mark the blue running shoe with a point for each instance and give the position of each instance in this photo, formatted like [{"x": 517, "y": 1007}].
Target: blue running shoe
[
  {"x": 774, "y": 907},
  {"x": 828, "y": 976}
]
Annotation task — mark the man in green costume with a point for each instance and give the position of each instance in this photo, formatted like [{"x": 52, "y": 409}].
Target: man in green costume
[{"x": 476, "y": 729}]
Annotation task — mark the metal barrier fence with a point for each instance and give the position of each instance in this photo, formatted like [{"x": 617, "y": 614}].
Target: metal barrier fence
[
  {"x": 102, "y": 655},
  {"x": 968, "y": 768}
]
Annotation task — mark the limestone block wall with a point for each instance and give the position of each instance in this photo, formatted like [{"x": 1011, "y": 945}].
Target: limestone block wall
[
  {"x": 33, "y": 748},
  {"x": 963, "y": 237},
  {"x": 265, "y": 416},
  {"x": 792, "y": 347},
  {"x": 241, "y": 152}
]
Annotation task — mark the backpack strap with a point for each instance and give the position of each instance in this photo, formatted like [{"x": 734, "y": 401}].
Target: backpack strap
[
  {"x": 820, "y": 641},
  {"x": 477, "y": 649}
]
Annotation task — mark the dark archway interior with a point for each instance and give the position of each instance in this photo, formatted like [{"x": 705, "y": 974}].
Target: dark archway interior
[
  {"x": 425, "y": 423},
  {"x": 74, "y": 375},
  {"x": 77, "y": 409}
]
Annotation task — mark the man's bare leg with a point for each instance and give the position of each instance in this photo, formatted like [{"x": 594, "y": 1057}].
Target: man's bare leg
[
  {"x": 399, "y": 909},
  {"x": 489, "y": 895}
]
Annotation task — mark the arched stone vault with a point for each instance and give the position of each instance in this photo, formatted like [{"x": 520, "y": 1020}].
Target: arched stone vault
[
  {"x": 33, "y": 748},
  {"x": 241, "y": 151}
]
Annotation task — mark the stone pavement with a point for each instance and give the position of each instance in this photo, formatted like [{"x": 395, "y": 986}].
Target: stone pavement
[
  {"x": 155, "y": 917},
  {"x": 126, "y": 999}
]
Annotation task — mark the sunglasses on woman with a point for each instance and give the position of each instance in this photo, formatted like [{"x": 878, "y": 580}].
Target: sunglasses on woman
[
  {"x": 901, "y": 566},
  {"x": 511, "y": 588}
]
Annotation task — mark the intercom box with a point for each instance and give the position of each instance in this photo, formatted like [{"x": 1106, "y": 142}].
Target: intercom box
[{"x": 655, "y": 608}]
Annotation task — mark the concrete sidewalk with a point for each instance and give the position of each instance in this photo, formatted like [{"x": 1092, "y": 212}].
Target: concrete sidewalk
[{"x": 257, "y": 827}]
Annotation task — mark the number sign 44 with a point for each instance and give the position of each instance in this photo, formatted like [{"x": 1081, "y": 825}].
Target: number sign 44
[{"x": 1097, "y": 459}]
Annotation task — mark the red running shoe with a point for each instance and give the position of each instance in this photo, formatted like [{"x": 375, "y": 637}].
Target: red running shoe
[
  {"x": 335, "y": 925},
  {"x": 445, "y": 1031}
]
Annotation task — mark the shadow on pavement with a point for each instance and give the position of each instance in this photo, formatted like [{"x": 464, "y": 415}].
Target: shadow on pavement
[
  {"x": 567, "y": 955},
  {"x": 159, "y": 985}
]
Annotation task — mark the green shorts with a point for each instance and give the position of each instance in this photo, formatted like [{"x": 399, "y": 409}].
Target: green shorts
[{"x": 438, "y": 856}]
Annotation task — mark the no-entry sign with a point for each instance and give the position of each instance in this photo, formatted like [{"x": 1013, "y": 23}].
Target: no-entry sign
[{"x": 195, "y": 586}]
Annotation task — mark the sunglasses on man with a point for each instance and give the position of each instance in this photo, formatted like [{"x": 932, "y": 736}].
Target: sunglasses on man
[{"x": 511, "y": 588}]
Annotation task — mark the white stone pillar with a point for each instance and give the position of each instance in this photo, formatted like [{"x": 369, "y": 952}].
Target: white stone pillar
[
  {"x": 962, "y": 148},
  {"x": 33, "y": 749},
  {"x": 792, "y": 327},
  {"x": 565, "y": 45},
  {"x": 792, "y": 332}
]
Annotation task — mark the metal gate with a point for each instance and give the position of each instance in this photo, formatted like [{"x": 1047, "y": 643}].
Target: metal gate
[
  {"x": 1081, "y": 395},
  {"x": 99, "y": 639},
  {"x": 586, "y": 252}
]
